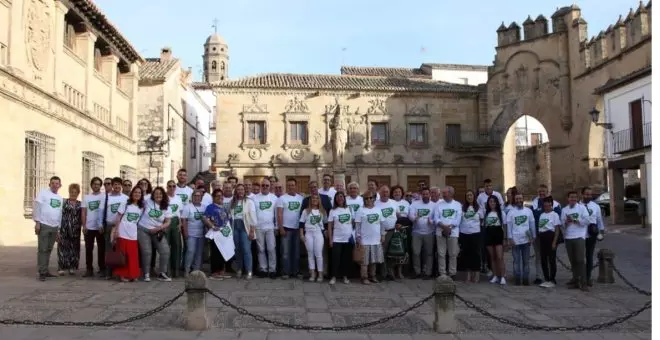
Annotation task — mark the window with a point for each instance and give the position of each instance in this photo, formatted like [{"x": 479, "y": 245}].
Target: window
[
  {"x": 193, "y": 148},
  {"x": 69, "y": 35},
  {"x": 464, "y": 80},
  {"x": 214, "y": 65},
  {"x": 127, "y": 172},
  {"x": 417, "y": 134},
  {"x": 92, "y": 166},
  {"x": 212, "y": 153},
  {"x": 379, "y": 134},
  {"x": 257, "y": 132},
  {"x": 453, "y": 134},
  {"x": 298, "y": 133},
  {"x": 302, "y": 184},
  {"x": 97, "y": 59},
  {"x": 536, "y": 138},
  {"x": 39, "y": 166},
  {"x": 222, "y": 66}
]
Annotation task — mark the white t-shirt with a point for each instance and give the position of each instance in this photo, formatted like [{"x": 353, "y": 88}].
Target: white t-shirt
[
  {"x": 369, "y": 229},
  {"x": 226, "y": 203},
  {"x": 92, "y": 204},
  {"x": 471, "y": 221},
  {"x": 521, "y": 225},
  {"x": 237, "y": 214},
  {"x": 548, "y": 221},
  {"x": 424, "y": 225},
  {"x": 185, "y": 194},
  {"x": 193, "y": 215},
  {"x": 342, "y": 224},
  {"x": 127, "y": 228},
  {"x": 331, "y": 192},
  {"x": 493, "y": 220},
  {"x": 176, "y": 205},
  {"x": 116, "y": 203},
  {"x": 207, "y": 199},
  {"x": 50, "y": 208},
  {"x": 575, "y": 230},
  {"x": 290, "y": 205},
  {"x": 388, "y": 210},
  {"x": 506, "y": 209},
  {"x": 482, "y": 199},
  {"x": 355, "y": 203},
  {"x": 154, "y": 216},
  {"x": 448, "y": 213},
  {"x": 313, "y": 220},
  {"x": 265, "y": 206},
  {"x": 594, "y": 212},
  {"x": 403, "y": 208}
]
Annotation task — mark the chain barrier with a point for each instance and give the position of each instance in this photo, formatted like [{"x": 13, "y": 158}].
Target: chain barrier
[
  {"x": 630, "y": 284},
  {"x": 567, "y": 267},
  {"x": 149, "y": 313}
]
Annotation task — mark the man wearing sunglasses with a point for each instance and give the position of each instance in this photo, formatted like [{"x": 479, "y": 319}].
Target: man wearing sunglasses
[{"x": 265, "y": 203}]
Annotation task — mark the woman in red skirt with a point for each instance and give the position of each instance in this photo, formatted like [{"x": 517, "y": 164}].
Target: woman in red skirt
[{"x": 125, "y": 235}]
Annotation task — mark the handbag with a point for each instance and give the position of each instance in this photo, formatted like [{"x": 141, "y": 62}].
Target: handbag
[
  {"x": 115, "y": 258},
  {"x": 358, "y": 254}
]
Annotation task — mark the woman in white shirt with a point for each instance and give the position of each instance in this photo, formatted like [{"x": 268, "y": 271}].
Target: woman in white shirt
[
  {"x": 151, "y": 231},
  {"x": 370, "y": 234},
  {"x": 311, "y": 230},
  {"x": 340, "y": 234},
  {"x": 470, "y": 237},
  {"x": 124, "y": 235},
  {"x": 494, "y": 225}
]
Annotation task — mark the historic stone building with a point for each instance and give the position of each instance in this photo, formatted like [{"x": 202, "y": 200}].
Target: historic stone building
[{"x": 68, "y": 83}]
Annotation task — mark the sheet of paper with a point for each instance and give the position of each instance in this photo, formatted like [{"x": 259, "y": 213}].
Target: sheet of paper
[{"x": 224, "y": 240}]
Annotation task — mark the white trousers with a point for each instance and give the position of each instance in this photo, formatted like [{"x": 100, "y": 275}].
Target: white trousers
[{"x": 314, "y": 245}]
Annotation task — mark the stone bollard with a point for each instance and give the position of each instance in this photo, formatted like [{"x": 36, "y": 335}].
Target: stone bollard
[
  {"x": 445, "y": 319},
  {"x": 196, "y": 317},
  {"x": 605, "y": 266}
]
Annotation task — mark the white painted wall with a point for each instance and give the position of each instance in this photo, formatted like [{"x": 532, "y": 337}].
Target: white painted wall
[
  {"x": 198, "y": 116},
  {"x": 210, "y": 100},
  {"x": 533, "y": 126},
  {"x": 649, "y": 171},
  {"x": 460, "y": 76}
]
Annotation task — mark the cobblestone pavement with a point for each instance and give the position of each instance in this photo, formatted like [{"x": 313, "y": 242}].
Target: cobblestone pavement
[{"x": 77, "y": 299}]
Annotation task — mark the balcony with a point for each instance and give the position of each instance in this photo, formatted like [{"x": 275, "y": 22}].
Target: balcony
[
  {"x": 472, "y": 140},
  {"x": 631, "y": 139}
]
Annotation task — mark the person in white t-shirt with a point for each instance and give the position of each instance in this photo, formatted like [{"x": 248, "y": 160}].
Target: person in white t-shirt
[
  {"x": 111, "y": 204},
  {"x": 549, "y": 223},
  {"x": 388, "y": 208},
  {"x": 488, "y": 191},
  {"x": 470, "y": 236},
  {"x": 595, "y": 230},
  {"x": 353, "y": 198},
  {"x": 174, "y": 234},
  {"x": 288, "y": 222},
  {"x": 182, "y": 189},
  {"x": 340, "y": 236},
  {"x": 264, "y": 203},
  {"x": 91, "y": 225},
  {"x": 327, "y": 188},
  {"x": 447, "y": 217},
  {"x": 193, "y": 232},
  {"x": 146, "y": 187},
  {"x": 521, "y": 232},
  {"x": 151, "y": 231},
  {"x": 423, "y": 234},
  {"x": 125, "y": 235},
  {"x": 47, "y": 216},
  {"x": 575, "y": 220},
  {"x": 312, "y": 220},
  {"x": 370, "y": 235}
]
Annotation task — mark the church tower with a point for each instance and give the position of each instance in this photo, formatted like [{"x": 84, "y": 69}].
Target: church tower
[{"x": 216, "y": 58}]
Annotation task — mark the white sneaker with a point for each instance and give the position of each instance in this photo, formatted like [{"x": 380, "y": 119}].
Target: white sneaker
[
  {"x": 544, "y": 284},
  {"x": 490, "y": 273},
  {"x": 346, "y": 281},
  {"x": 549, "y": 284},
  {"x": 163, "y": 277},
  {"x": 312, "y": 278},
  {"x": 503, "y": 281},
  {"x": 248, "y": 276},
  {"x": 333, "y": 281},
  {"x": 147, "y": 278},
  {"x": 319, "y": 278},
  {"x": 494, "y": 279}
]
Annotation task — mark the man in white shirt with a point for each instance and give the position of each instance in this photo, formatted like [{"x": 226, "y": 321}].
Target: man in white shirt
[
  {"x": 182, "y": 189},
  {"x": 595, "y": 231},
  {"x": 447, "y": 218},
  {"x": 173, "y": 233},
  {"x": 47, "y": 216},
  {"x": 288, "y": 217},
  {"x": 488, "y": 191},
  {"x": 91, "y": 224},
  {"x": 388, "y": 207},
  {"x": 111, "y": 204},
  {"x": 423, "y": 238},
  {"x": 265, "y": 203},
  {"x": 326, "y": 188},
  {"x": 575, "y": 219}
]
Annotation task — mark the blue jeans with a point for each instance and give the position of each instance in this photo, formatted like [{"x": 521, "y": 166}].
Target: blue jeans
[
  {"x": 290, "y": 252},
  {"x": 243, "y": 257},
  {"x": 194, "y": 252},
  {"x": 521, "y": 261}
]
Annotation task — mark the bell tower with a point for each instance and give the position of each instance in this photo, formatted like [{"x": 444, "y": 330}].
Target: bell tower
[{"x": 216, "y": 57}]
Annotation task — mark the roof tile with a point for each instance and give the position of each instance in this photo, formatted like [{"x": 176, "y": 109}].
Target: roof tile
[
  {"x": 385, "y": 72},
  {"x": 154, "y": 69}
]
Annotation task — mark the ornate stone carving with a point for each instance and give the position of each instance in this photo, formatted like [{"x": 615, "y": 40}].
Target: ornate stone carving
[
  {"x": 379, "y": 156},
  {"x": 522, "y": 79},
  {"x": 296, "y": 105},
  {"x": 437, "y": 161},
  {"x": 359, "y": 159},
  {"x": 297, "y": 154},
  {"x": 316, "y": 160},
  {"x": 233, "y": 158},
  {"x": 318, "y": 137},
  {"x": 38, "y": 35},
  {"x": 416, "y": 109},
  {"x": 254, "y": 106},
  {"x": 254, "y": 154},
  {"x": 398, "y": 159},
  {"x": 339, "y": 138},
  {"x": 378, "y": 106},
  {"x": 417, "y": 155}
]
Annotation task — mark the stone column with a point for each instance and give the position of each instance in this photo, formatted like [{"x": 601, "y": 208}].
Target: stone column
[
  {"x": 87, "y": 41},
  {"x": 129, "y": 84},
  {"x": 110, "y": 70},
  {"x": 60, "y": 11},
  {"x": 196, "y": 317},
  {"x": 605, "y": 266},
  {"x": 616, "y": 189},
  {"x": 445, "y": 319}
]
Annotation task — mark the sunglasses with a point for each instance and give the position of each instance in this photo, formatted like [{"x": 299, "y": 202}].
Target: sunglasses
[
  {"x": 369, "y": 197},
  {"x": 171, "y": 186},
  {"x": 107, "y": 183}
]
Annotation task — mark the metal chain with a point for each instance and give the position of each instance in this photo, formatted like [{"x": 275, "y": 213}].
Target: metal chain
[
  {"x": 567, "y": 267},
  {"x": 598, "y": 326},
  {"x": 282, "y": 324},
  {"x": 160, "y": 308},
  {"x": 630, "y": 284}
]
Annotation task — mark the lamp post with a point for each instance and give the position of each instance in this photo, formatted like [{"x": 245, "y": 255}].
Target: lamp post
[
  {"x": 594, "y": 113},
  {"x": 154, "y": 145}
]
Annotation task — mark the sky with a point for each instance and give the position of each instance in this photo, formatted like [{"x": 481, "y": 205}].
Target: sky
[{"x": 319, "y": 36}]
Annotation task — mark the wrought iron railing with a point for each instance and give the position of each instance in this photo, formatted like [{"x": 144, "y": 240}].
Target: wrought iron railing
[{"x": 631, "y": 139}]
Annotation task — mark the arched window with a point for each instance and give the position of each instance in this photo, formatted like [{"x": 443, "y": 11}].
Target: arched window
[
  {"x": 222, "y": 66},
  {"x": 214, "y": 65}
]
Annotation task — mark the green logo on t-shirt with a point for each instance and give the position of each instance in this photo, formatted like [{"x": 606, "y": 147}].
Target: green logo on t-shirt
[
  {"x": 238, "y": 209},
  {"x": 315, "y": 219},
  {"x": 154, "y": 213},
  {"x": 132, "y": 217},
  {"x": 265, "y": 205},
  {"x": 354, "y": 207},
  {"x": 574, "y": 216},
  {"x": 423, "y": 212},
  {"x": 114, "y": 207},
  {"x": 490, "y": 221},
  {"x": 294, "y": 205},
  {"x": 197, "y": 215},
  {"x": 225, "y": 231},
  {"x": 518, "y": 220},
  {"x": 470, "y": 213},
  {"x": 55, "y": 203},
  {"x": 591, "y": 212},
  {"x": 184, "y": 198},
  {"x": 343, "y": 218},
  {"x": 387, "y": 212},
  {"x": 448, "y": 212},
  {"x": 93, "y": 205},
  {"x": 174, "y": 207},
  {"x": 372, "y": 218},
  {"x": 543, "y": 222},
  {"x": 402, "y": 208}
]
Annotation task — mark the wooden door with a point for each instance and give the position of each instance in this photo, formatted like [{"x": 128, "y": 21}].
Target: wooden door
[
  {"x": 252, "y": 179},
  {"x": 411, "y": 182},
  {"x": 302, "y": 184},
  {"x": 636, "y": 125},
  {"x": 380, "y": 180},
  {"x": 460, "y": 186}
]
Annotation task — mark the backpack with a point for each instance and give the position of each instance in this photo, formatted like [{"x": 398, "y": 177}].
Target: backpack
[{"x": 397, "y": 247}]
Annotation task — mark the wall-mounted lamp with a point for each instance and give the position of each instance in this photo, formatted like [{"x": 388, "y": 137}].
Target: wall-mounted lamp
[{"x": 594, "y": 113}]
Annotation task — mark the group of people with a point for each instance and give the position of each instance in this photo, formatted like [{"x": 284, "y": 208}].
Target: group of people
[{"x": 338, "y": 226}]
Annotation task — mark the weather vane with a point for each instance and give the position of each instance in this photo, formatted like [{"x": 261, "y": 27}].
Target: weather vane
[{"x": 215, "y": 25}]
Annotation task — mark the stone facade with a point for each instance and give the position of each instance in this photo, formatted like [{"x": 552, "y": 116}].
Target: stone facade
[
  {"x": 532, "y": 168},
  {"x": 67, "y": 94}
]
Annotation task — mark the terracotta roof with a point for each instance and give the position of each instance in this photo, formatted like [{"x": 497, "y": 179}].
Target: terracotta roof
[
  {"x": 154, "y": 69},
  {"x": 401, "y": 72},
  {"x": 344, "y": 82},
  {"x": 201, "y": 85},
  {"x": 99, "y": 22},
  {"x": 458, "y": 67}
]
